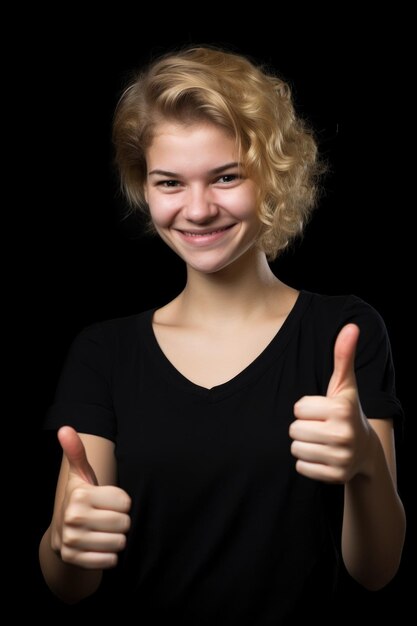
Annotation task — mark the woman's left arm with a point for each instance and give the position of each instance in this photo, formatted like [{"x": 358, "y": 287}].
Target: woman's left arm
[
  {"x": 374, "y": 519},
  {"x": 333, "y": 441}
]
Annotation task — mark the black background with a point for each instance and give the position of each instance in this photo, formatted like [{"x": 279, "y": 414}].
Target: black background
[{"x": 84, "y": 263}]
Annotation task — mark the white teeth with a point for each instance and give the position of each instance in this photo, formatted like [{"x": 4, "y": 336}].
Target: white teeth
[{"x": 212, "y": 232}]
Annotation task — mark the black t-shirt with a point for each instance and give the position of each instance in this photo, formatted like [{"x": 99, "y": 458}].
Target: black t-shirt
[{"x": 224, "y": 530}]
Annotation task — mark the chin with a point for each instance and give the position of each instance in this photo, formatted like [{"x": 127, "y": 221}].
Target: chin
[
  {"x": 207, "y": 269},
  {"x": 213, "y": 266}
]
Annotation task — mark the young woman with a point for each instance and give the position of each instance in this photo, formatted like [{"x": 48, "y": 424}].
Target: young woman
[{"x": 206, "y": 443}]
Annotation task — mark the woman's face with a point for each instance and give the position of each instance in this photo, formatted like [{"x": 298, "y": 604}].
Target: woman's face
[{"x": 200, "y": 201}]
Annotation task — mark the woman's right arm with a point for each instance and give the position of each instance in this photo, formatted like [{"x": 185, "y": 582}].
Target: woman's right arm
[{"x": 90, "y": 518}]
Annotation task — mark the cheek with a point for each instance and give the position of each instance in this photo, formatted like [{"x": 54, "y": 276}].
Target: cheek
[
  {"x": 242, "y": 204},
  {"x": 162, "y": 209}
]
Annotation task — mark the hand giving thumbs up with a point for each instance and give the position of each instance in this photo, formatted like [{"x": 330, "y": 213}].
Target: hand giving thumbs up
[
  {"x": 331, "y": 434},
  {"x": 91, "y": 524}
]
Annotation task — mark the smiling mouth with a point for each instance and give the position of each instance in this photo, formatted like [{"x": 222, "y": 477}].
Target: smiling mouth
[{"x": 205, "y": 233}]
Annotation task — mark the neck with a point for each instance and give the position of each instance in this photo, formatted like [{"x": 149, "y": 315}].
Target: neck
[{"x": 238, "y": 292}]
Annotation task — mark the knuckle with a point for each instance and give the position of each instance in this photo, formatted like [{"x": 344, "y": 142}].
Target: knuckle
[
  {"x": 105, "y": 562},
  {"x": 342, "y": 456},
  {"x": 294, "y": 448},
  {"x": 127, "y": 523},
  {"x": 80, "y": 496},
  {"x": 127, "y": 501},
  {"x": 73, "y": 516},
  {"x": 111, "y": 561},
  {"x": 339, "y": 475},
  {"x": 68, "y": 555},
  {"x": 299, "y": 466},
  {"x": 69, "y": 537}
]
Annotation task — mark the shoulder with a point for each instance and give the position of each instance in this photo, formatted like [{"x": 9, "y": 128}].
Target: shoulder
[
  {"x": 114, "y": 334},
  {"x": 331, "y": 312},
  {"x": 342, "y": 309},
  {"x": 117, "y": 326}
]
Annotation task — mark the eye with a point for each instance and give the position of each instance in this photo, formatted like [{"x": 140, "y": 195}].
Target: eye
[
  {"x": 227, "y": 178},
  {"x": 168, "y": 183}
]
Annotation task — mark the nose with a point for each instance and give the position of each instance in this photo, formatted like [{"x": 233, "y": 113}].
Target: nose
[{"x": 200, "y": 207}]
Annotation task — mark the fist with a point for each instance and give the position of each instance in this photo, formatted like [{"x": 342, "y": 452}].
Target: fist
[
  {"x": 331, "y": 435},
  {"x": 93, "y": 520}
]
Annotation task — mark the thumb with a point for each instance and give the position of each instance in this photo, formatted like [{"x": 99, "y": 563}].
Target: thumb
[
  {"x": 343, "y": 376},
  {"x": 74, "y": 450}
]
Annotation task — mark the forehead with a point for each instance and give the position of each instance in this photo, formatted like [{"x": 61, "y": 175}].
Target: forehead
[
  {"x": 181, "y": 130},
  {"x": 198, "y": 144}
]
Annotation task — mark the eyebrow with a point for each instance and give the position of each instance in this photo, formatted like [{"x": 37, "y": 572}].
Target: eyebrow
[{"x": 216, "y": 170}]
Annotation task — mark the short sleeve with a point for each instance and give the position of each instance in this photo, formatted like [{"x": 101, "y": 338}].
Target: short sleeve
[
  {"x": 373, "y": 363},
  {"x": 83, "y": 397}
]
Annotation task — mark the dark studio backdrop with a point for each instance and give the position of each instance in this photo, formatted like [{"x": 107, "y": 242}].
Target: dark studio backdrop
[{"x": 88, "y": 264}]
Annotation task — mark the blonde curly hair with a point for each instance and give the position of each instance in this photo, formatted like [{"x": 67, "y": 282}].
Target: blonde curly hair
[{"x": 277, "y": 148}]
